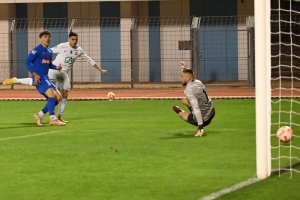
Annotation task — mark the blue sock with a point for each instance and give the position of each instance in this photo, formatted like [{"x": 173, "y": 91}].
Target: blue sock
[
  {"x": 51, "y": 105},
  {"x": 45, "y": 109}
]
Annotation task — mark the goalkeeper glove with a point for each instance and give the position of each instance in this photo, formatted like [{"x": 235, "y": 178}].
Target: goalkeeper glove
[
  {"x": 199, "y": 131},
  {"x": 200, "y": 127}
]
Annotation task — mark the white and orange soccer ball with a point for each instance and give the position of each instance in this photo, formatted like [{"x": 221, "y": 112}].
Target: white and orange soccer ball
[
  {"x": 285, "y": 134},
  {"x": 110, "y": 96}
]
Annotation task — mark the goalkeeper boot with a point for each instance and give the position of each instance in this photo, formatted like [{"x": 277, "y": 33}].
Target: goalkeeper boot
[
  {"x": 38, "y": 119},
  {"x": 10, "y": 81},
  {"x": 177, "y": 109},
  {"x": 56, "y": 122}
]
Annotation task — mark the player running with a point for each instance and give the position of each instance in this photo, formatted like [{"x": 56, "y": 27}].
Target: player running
[
  {"x": 38, "y": 62},
  {"x": 67, "y": 53},
  {"x": 200, "y": 105}
]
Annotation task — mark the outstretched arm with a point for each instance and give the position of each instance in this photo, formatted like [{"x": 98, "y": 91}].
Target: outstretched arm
[
  {"x": 100, "y": 69},
  {"x": 91, "y": 62}
]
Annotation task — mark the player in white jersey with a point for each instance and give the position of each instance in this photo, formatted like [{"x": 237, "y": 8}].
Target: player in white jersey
[
  {"x": 200, "y": 105},
  {"x": 67, "y": 53}
]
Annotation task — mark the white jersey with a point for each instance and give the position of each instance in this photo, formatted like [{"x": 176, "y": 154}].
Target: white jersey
[{"x": 66, "y": 56}]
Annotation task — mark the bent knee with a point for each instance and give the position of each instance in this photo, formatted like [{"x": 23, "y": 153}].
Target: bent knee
[{"x": 58, "y": 99}]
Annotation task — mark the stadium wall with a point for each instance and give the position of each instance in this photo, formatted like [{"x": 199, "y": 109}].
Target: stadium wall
[{"x": 155, "y": 50}]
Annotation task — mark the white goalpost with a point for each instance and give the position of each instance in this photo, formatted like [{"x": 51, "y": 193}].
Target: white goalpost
[
  {"x": 277, "y": 85},
  {"x": 262, "y": 87}
]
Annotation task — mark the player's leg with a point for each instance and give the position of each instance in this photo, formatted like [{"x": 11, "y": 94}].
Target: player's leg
[
  {"x": 177, "y": 109},
  {"x": 57, "y": 78},
  {"x": 50, "y": 93},
  {"x": 39, "y": 116},
  {"x": 181, "y": 113},
  {"x": 62, "y": 105},
  {"x": 49, "y": 90},
  {"x": 25, "y": 81},
  {"x": 189, "y": 117},
  {"x": 185, "y": 102},
  {"x": 63, "y": 85}
]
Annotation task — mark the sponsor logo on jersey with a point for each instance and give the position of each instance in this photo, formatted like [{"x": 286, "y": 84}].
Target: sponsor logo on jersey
[
  {"x": 69, "y": 59},
  {"x": 71, "y": 52},
  {"x": 33, "y": 52},
  {"x": 46, "y": 61},
  {"x": 76, "y": 53}
]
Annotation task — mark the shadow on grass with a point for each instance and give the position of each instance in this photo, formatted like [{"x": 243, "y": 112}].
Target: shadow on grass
[
  {"x": 285, "y": 168},
  {"x": 19, "y": 125},
  {"x": 191, "y": 135},
  {"x": 181, "y": 135}
]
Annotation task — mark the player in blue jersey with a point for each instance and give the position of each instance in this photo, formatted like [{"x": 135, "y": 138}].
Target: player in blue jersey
[{"x": 38, "y": 63}]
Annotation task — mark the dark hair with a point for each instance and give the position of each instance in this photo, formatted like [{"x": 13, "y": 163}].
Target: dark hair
[
  {"x": 188, "y": 71},
  {"x": 72, "y": 34},
  {"x": 44, "y": 32}
]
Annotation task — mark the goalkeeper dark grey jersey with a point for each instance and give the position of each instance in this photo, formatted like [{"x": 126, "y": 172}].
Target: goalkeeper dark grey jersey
[{"x": 202, "y": 106}]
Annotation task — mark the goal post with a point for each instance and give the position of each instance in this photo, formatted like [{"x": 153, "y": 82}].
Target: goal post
[{"x": 262, "y": 87}]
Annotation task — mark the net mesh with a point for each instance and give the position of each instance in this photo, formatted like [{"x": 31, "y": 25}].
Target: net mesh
[{"x": 285, "y": 84}]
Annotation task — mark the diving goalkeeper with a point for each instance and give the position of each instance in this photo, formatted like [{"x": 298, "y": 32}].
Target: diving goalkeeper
[{"x": 200, "y": 105}]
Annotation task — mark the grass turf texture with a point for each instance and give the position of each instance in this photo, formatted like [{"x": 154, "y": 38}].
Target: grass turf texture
[{"x": 136, "y": 149}]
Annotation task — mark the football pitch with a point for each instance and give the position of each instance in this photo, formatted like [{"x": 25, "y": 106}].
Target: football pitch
[{"x": 131, "y": 149}]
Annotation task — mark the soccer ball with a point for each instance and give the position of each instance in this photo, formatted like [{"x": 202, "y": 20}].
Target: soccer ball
[
  {"x": 285, "y": 134},
  {"x": 110, "y": 96}
]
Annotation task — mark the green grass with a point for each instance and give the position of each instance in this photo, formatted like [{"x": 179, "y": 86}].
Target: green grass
[{"x": 136, "y": 149}]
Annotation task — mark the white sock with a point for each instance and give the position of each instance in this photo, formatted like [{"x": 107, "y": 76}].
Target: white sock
[
  {"x": 53, "y": 117},
  {"x": 62, "y": 106},
  {"x": 41, "y": 114},
  {"x": 25, "y": 81}
]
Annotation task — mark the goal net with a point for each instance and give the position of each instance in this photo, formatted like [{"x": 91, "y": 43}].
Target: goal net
[{"x": 285, "y": 84}]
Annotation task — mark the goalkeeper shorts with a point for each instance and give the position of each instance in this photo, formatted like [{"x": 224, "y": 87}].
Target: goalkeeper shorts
[{"x": 191, "y": 119}]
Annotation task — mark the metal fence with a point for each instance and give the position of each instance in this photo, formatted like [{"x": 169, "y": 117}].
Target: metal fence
[{"x": 139, "y": 50}]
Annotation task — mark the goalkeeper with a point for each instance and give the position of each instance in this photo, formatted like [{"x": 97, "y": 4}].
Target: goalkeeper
[
  {"x": 200, "y": 105},
  {"x": 67, "y": 53}
]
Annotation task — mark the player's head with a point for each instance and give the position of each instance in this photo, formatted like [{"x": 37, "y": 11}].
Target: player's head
[
  {"x": 73, "y": 39},
  {"x": 45, "y": 37},
  {"x": 187, "y": 75}
]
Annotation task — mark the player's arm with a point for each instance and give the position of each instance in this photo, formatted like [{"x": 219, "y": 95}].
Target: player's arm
[
  {"x": 29, "y": 60},
  {"x": 196, "y": 111},
  {"x": 53, "y": 66},
  {"x": 103, "y": 71},
  {"x": 92, "y": 62},
  {"x": 183, "y": 65},
  {"x": 56, "y": 67}
]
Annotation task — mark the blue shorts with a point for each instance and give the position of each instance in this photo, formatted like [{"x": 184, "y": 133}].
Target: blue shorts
[{"x": 44, "y": 85}]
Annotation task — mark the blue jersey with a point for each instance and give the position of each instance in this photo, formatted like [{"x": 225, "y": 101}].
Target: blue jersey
[{"x": 39, "y": 60}]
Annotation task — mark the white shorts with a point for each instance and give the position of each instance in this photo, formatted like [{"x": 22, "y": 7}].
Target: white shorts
[{"x": 60, "y": 78}]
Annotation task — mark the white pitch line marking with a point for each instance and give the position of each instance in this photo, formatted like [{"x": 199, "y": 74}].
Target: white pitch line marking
[{"x": 27, "y": 136}]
